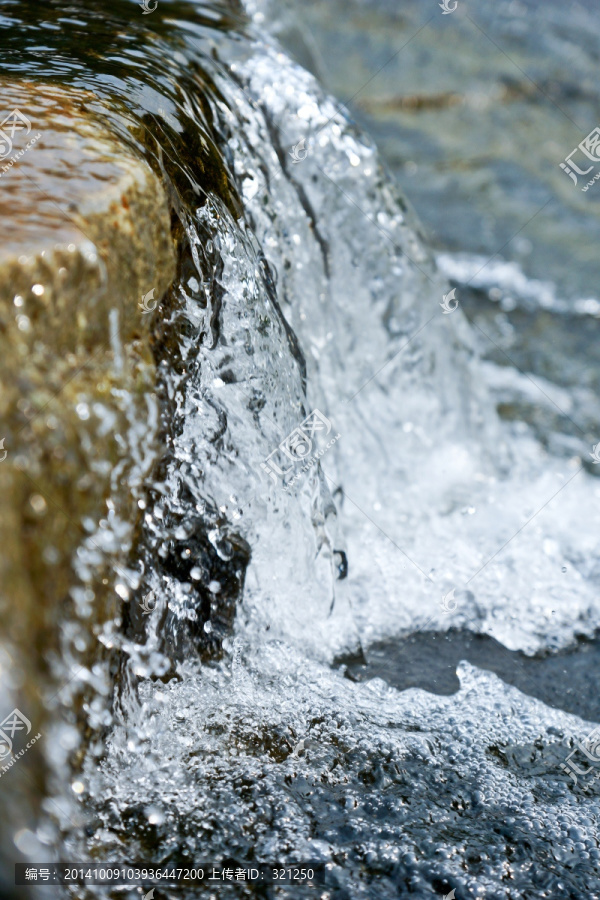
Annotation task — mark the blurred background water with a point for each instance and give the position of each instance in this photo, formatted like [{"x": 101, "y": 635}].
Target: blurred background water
[{"x": 473, "y": 113}]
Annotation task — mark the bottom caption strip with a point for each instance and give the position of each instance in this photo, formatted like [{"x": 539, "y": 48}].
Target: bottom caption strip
[{"x": 105, "y": 873}]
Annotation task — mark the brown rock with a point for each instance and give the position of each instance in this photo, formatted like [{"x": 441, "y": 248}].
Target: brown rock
[{"x": 85, "y": 231}]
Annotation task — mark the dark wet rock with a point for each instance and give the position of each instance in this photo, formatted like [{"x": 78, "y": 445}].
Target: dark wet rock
[
  {"x": 429, "y": 660},
  {"x": 211, "y": 572}
]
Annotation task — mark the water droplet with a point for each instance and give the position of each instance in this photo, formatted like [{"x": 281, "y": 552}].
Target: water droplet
[
  {"x": 38, "y": 503},
  {"x": 155, "y": 815}
]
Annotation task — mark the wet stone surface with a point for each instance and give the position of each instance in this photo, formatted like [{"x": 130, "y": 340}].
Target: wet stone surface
[
  {"x": 79, "y": 413},
  {"x": 428, "y": 660},
  {"x": 395, "y": 792}
]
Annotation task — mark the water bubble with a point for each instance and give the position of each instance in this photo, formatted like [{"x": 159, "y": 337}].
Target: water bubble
[{"x": 155, "y": 816}]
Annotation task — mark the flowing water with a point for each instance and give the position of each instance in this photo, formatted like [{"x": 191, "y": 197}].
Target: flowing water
[{"x": 235, "y": 716}]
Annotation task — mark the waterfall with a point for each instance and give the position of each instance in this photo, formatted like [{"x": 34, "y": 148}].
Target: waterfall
[{"x": 333, "y": 474}]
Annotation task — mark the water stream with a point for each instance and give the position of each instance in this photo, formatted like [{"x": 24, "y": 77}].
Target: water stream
[{"x": 236, "y": 715}]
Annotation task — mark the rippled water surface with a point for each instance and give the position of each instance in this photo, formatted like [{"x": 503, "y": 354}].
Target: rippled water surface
[{"x": 264, "y": 710}]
